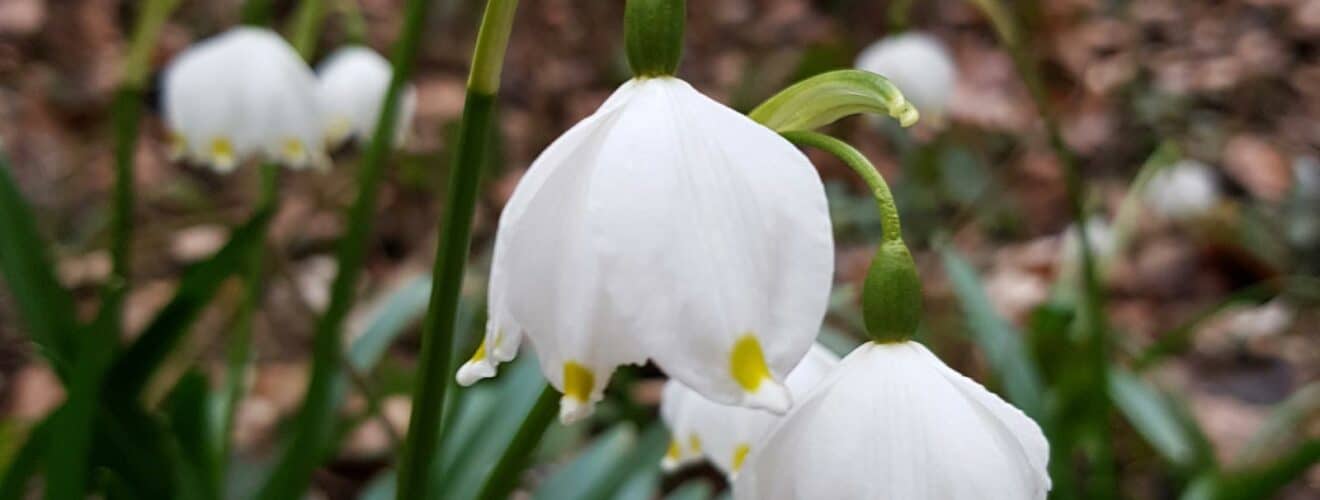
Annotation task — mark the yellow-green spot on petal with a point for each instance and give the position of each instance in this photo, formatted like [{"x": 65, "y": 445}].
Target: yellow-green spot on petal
[
  {"x": 747, "y": 363},
  {"x": 222, "y": 150},
  {"x": 694, "y": 443},
  {"x": 673, "y": 453},
  {"x": 292, "y": 149},
  {"x": 480, "y": 354},
  {"x": 740, "y": 455},
  {"x": 578, "y": 381}
]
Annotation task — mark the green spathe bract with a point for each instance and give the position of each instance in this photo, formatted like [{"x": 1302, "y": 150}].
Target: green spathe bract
[
  {"x": 891, "y": 295},
  {"x": 653, "y": 33},
  {"x": 824, "y": 98}
]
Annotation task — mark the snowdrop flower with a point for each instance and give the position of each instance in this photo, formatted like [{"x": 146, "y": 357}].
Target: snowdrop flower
[
  {"x": 353, "y": 85},
  {"x": 244, "y": 93},
  {"x": 893, "y": 421},
  {"x": 919, "y": 64},
  {"x": 667, "y": 227},
  {"x": 726, "y": 434},
  {"x": 1185, "y": 189}
]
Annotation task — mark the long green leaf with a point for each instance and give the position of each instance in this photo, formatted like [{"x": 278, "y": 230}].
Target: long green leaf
[
  {"x": 26, "y": 461},
  {"x": 46, "y": 307},
  {"x": 1283, "y": 424},
  {"x": 190, "y": 424},
  {"x": 1257, "y": 482},
  {"x": 617, "y": 459},
  {"x": 197, "y": 287},
  {"x": 1160, "y": 421},
  {"x": 1002, "y": 343}
]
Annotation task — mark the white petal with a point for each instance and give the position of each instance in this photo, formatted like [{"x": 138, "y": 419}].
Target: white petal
[
  {"x": 726, "y": 434},
  {"x": 919, "y": 64},
  {"x": 241, "y": 93},
  {"x": 1183, "y": 190},
  {"x": 667, "y": 226},
  {"x": 890, "y": 422},
  {"x": 353, "y": 83},
  {"x": 717, "y": 233},
  {"x": 545, "y": 276}
]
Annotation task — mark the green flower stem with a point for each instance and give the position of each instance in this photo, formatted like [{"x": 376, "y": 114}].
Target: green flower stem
[
  {"x": 255, "y": 12},
  {"x": 355, "y": 26},
  {"x": 306, "y": 27},
  {"x": 434, "y": 370},
  {"x": 1102, "y": 481},
  {"x": 240, "y": 342},
  {"x": 884, "y": 198},
  {"x": 492, "y": 42},
  {"x": 315, "y": 420},
  {"x": 504, "y": 476}
]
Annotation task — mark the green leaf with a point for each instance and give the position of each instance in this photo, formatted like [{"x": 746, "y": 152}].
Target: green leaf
[
  {"x": 485, "y": 421},
  {"x": 1258, "y": 482},
  {"x": 1002, "y": 343},
  {"x": 692, "y": 490},
  {"x": 822, "y": 99},
  {"x": 26, "y": 461},
  {"x": 1283, "y": 426},
  {"x": 618, "y": 463},
  {"x": 1158, "y": 419},
  {"x": 199, "y": 284},
  {"x": 46, "y": 307},
  {"x": 188, "y": 408},
  {"x": 587, "y": 476},
  {"x": 397, "y": 311}
]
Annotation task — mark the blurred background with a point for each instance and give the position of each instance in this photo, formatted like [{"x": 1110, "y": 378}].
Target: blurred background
[{"x": 1213, "y": 344}]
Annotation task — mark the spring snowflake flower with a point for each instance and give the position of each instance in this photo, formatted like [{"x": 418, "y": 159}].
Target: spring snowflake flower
[
  {"x": 667, "y": 227},
  {"x": 726, "y": 434},
  {"x": 244, "y": 93},
  {"x": 919, "y": 65},
  {"x": 1186, "y": 189},
  {"x": 893, "y": 421},
  {"x": 353, "y": 84}
]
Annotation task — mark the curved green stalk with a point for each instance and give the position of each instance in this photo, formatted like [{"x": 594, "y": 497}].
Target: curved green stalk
[
  {"x": 884, "y": 198},
  {"x": 306, "y": 26},
  {"x": 434, "y": 371},
  {"x": 1102, "y": 483},
  {"x": 315, "y": 418}
]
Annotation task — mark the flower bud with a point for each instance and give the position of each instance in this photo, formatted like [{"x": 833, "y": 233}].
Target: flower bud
[{"x": 891, "y": 295}]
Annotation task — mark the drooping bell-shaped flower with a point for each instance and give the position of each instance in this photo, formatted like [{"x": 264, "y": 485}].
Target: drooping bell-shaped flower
[
  {"x": 353, "y": 83},
  {"x": 893, "y": 421},
  {"x": 1186, "y": 189},
  {"x": 667, "y": 227},
  {"x": 726, "y": 434},
  {"x": 243, "y": 94},
  {"x": 919, "y": 64}
]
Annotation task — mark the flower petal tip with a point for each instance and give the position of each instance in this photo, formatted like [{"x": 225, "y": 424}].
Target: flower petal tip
[
  {"x": 474, "y": 371},
  {"x": 572, "y": 410},
  {"x": 771, "y": 396}
]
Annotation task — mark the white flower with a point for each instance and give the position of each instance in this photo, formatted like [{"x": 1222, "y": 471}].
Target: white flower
[
  {"x": 919, "y": 64},
  {"x": 1183, "y": 190},
  {"x": 726, "y": 434},
  {"x": 668, "y": 227},
  {"x": 244, "y": 93},
  {"x": 1099, "y": 234},
  {"x": 893, "y": 421},
  {"x": 353, "y": 84}
]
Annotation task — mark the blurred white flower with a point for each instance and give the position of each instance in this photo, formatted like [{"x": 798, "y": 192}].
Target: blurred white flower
[
  {"x": 893, "y": 421},
  {"x": 1186, "y": 189},
  {"x": 726, "y": 434},
  {"x": 1099, "y": 234},
  {"x": 353, "y": 84},
  {"x": 244, "y": 93},
  {"x": 919, "y": 64},
  {"x": 668, "y": 227}
]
